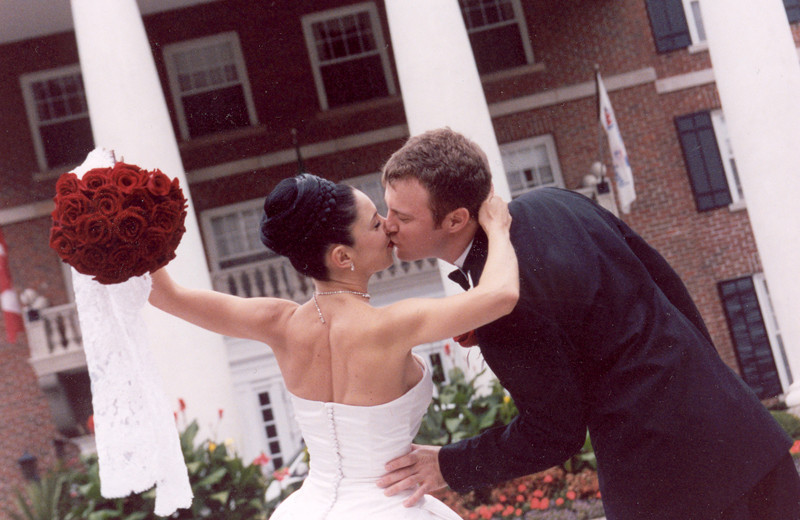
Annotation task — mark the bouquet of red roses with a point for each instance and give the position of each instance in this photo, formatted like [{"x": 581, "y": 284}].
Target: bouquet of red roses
[{"x": 118, "y": 222}]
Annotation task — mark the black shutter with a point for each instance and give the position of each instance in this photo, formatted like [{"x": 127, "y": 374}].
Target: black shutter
[
  {"x": 668, "y": 22},
  {"x": 703, "y": 161},
  {"x": 792, "y": 10},
  {"x": 750, "y": 340}
]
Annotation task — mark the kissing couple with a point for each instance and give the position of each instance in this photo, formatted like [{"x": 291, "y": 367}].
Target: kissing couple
[{"x": 584, "y": 323}]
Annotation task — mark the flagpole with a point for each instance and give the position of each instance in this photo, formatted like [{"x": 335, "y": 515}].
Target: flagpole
[
  {"x": 300, "y": 167},
  {"x": 602, "y": 184}
]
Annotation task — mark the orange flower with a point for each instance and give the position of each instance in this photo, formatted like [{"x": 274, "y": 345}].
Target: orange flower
[
  {"x": 502, "y": 498},
  {"x": 570, "y": 495},
  {"x": 538, "y": 493},
  {"x": 518, "y": 512},
  {"x": 795, "y": 449},
  {"x": 508, "y": 511},
  {"x": 90, "y": 424},
  {"x": 559, "y": 501},
  {"x": 281, "y": 474},
  {"x": 447, "y": 349},
  {"x": 548, "y": 479},
  {"x": 521, "y": 488},
  {"x": 535, "y": 503},
  {"x": 261, "y": 460},
  {"x": 220, "y": 412},
  {"x": 520, "y": 498},
  {"x": 181, "y": 404},
  {"x": 544, "y": 504}
]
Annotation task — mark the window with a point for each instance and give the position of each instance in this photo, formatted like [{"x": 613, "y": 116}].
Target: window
[
  {"x": 209, "y": 85},
  {"x": 677, "y": 24},
  {"x": 232, "y": 234},
  {"x": 348, "y": 55},
  {"x": 531, "y": 163},
  {"x": 792, "y": 10},
  {"x": 709, "y": 160},
  {"x": 497, "y": 33},
  {"x": 755, "y": 335},
  {"x": 668, "y": 22},
  {"x": 371, "y": 185},
  {"x": 58, "y": 117},
  {"x": 270, "y": 429}
]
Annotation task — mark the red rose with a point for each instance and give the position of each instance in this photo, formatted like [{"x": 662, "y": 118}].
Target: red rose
[
  {"x": 139, "y": 198},
  {"x": 94, "y": 179},
  {"x": 128, "y": 177},
  {"x": 166, "y": 217},
  {"x": 67, "y": 184},
  {"x": 175, "y": 192},
  {"x": 468, "y": 339},
  {"x": 70, "y": 207},
  {"x": 153, "y": 244},
  {"x": 129, "y": 224},
  {"x": 159, "y": 184},
  {"x": 120, "y": 266},
  {"x": 93, "y": 228},
  {"x": 90, "y": 259},
  {"x": 108, "y": 200},
  {"x": 63, "y": 242}
]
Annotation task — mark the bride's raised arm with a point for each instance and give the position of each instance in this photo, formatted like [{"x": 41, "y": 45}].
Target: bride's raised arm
[
  {"x": 421, "y": 320},
  {"x": 262, "y": 319}
]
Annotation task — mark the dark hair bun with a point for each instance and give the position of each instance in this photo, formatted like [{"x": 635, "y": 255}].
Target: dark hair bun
[{"x": 295, "y": 211}]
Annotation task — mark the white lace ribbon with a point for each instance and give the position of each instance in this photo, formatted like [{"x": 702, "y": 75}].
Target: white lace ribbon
[{"x": 135, "y": 432}]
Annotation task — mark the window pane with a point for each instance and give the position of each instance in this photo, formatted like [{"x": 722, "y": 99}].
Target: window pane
[{"x": 750, "y": 338}]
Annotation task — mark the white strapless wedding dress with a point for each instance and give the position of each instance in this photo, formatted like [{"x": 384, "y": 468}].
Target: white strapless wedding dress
[{"x": 348, "y": 447}]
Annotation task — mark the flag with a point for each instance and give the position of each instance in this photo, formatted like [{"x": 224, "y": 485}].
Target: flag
[
  {"x": 8, "y": 298},
  {"x": 623, "y": 175}
]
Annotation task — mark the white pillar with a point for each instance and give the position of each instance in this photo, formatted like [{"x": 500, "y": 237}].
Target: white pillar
[
  {"x": 440, "y": 84},
  {"x": 758, "y": 78},
  {"x": 129, "y": 115}
]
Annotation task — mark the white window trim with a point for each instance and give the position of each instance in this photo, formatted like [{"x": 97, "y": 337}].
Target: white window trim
[
  {"x": 552, "y": 155},
  {"x": 26, "y": 80},
  {"x": 727, "y": 155},
  {"x": 773, "y": 330},
  {"x": 208, "y": 231},
  {"x": 172, "y": 74},
  {"x": 698, "y": 44},
  {"x": 377, "y": 31}
]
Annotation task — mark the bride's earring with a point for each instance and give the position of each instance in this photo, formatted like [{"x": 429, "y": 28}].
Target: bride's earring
[{"x": 352, "y": 266}]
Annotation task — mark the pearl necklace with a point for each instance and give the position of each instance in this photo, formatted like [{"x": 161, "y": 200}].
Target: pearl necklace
[{"x": 364, "y": 295}]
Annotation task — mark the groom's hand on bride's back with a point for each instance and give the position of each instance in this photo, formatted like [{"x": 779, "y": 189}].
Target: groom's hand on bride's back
[{"x": 418, "y": 469}]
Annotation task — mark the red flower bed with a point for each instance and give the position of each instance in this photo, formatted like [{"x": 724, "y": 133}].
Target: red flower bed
[
  {"x": 551, "y": 489},
  {"x": 116, "y": 223}
]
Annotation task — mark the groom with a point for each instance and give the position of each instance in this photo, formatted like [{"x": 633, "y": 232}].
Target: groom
[{"x": 606, "y": 337}]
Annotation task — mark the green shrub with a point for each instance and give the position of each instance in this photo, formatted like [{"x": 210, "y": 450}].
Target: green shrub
[
  {"x": 789, "y": 422},
  {"x": 457, "y": 412},
  {"x": 224, "y": 488}
]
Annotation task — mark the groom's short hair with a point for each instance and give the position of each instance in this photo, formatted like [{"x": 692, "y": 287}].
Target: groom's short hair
[{"x": 452, "y": 168}]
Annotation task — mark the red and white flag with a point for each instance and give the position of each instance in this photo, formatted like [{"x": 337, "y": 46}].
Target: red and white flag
[
  {"x": 12, "y": 315},
  {"x": 623, "y": 175}
]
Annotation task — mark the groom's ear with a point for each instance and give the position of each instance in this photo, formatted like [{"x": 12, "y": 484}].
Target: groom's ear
[{"x": 456, "y": 220}]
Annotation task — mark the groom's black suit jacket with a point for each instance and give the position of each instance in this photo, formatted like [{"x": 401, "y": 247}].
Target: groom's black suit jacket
[{"x": 606, "y": 336}]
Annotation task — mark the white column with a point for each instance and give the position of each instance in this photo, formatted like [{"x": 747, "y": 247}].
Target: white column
[
  {"x": 440, "y": 84},
  {"x": 129, "y": 115},
  {"x": 758, "y": 77}
]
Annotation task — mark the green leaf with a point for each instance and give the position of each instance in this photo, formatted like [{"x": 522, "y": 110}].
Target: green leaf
[
  {"x": 213, "y": 478},
  {"x": 103, "y": 515},
  {"x": 221, "y": 497},
  {"x": 452, "y": 424},
  {"x": 138, "y": 515}
]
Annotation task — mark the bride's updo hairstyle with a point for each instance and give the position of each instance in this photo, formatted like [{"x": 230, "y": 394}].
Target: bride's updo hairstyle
[{"x": 303, "y": 217}]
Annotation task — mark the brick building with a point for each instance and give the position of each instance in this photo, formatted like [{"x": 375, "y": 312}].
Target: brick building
[{"x": 253, "y": 86}]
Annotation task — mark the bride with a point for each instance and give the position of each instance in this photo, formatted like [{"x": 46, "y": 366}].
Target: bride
[{"x": 358, "y": 392}]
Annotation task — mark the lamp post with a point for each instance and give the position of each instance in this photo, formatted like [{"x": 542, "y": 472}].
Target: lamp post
[{"x": 27, "y": 464}]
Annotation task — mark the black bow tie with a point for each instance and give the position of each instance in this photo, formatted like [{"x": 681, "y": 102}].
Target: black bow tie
[{"x": 460, "y": 278}]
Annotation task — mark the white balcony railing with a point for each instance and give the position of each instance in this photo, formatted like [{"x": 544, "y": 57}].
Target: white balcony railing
[
  {"x": 54, "y": 333},
  {"x": 54, "y": 337}
]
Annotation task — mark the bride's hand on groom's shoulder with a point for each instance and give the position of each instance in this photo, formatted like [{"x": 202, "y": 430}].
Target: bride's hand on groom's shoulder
[
  {"x": 494, "y": 212},
  {"x": 418, "y": 469}
]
